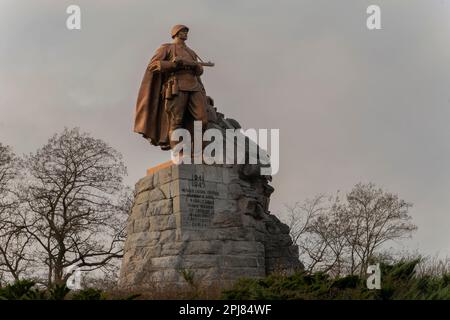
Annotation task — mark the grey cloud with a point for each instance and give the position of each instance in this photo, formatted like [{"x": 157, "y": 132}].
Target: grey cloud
[{"x": 351, "y": 104}]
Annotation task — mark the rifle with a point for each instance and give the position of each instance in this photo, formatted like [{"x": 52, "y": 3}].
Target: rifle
[
  {"x": 206, "y": 64},
  {"x": 185, "y": 63}
]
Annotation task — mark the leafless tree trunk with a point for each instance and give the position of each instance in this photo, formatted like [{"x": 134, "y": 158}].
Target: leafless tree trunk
[
  {"x": 70, "y": 205},
  {"x": 15, "y": 258}
]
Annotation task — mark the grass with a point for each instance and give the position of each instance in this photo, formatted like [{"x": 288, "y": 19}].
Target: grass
[{"x": 399, "y": 281}]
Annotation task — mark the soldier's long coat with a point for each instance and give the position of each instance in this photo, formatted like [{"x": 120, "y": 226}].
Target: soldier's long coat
[{"x": 151, "y": 120}]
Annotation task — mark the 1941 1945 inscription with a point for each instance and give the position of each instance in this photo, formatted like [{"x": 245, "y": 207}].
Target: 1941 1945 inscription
[{"x": 200, "y": 204}]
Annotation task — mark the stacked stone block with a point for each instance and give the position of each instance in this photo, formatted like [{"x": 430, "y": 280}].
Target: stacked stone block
[{"x": 207, "y": 221}]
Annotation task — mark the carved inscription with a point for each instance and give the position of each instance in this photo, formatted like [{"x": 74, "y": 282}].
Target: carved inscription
[{"x": 200, "y": 203}]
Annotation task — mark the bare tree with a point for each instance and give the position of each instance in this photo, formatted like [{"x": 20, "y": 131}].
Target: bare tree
[
  {"x": 376, "y": 217},
  {"x": 340, "y": 236},
  {"x": 300, "y": 215},
  {"x": 70, "y": 205},
  {"x": 15, "y": 257},
  {"x": 317, "y": 227}
]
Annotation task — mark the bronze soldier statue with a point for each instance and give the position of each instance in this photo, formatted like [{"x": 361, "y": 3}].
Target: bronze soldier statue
[
  {"x": 171, "y": 91},
  {"x": 172, "y": 96}
]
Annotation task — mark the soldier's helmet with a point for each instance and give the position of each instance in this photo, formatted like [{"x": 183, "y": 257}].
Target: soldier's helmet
[{"x": 176, "y": 29}]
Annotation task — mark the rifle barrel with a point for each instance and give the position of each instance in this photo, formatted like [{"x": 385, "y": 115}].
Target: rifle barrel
[{"x": 207, "y": 64}]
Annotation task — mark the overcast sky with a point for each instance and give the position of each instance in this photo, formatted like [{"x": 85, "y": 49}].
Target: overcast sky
[{"x": 352, "y": 105}]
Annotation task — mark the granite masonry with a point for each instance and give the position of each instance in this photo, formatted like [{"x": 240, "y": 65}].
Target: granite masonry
[{"x": 209, "y": 222}]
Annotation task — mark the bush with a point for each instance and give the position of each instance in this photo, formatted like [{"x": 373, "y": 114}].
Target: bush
[
  {"x": 88, "y": 294},
  {"x": 21, "y": 290},
  {"x": 398, "y": 281}
]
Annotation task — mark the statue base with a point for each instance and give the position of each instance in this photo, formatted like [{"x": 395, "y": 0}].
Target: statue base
[{"x": 206, "y": 224}]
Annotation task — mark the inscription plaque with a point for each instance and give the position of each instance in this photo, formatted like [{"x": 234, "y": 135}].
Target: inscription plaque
[{"x": 200, "y": 203}]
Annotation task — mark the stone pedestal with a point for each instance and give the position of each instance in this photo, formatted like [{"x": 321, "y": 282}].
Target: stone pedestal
[{"x": 206, "y": 221}]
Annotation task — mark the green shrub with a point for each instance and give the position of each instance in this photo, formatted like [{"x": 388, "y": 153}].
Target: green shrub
[
  {"x": 58, "y": 292},
  {"x": 21, "y": 290},
  {"x": 88, "y": 294},
  {"x": 398, "y": 281}
]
